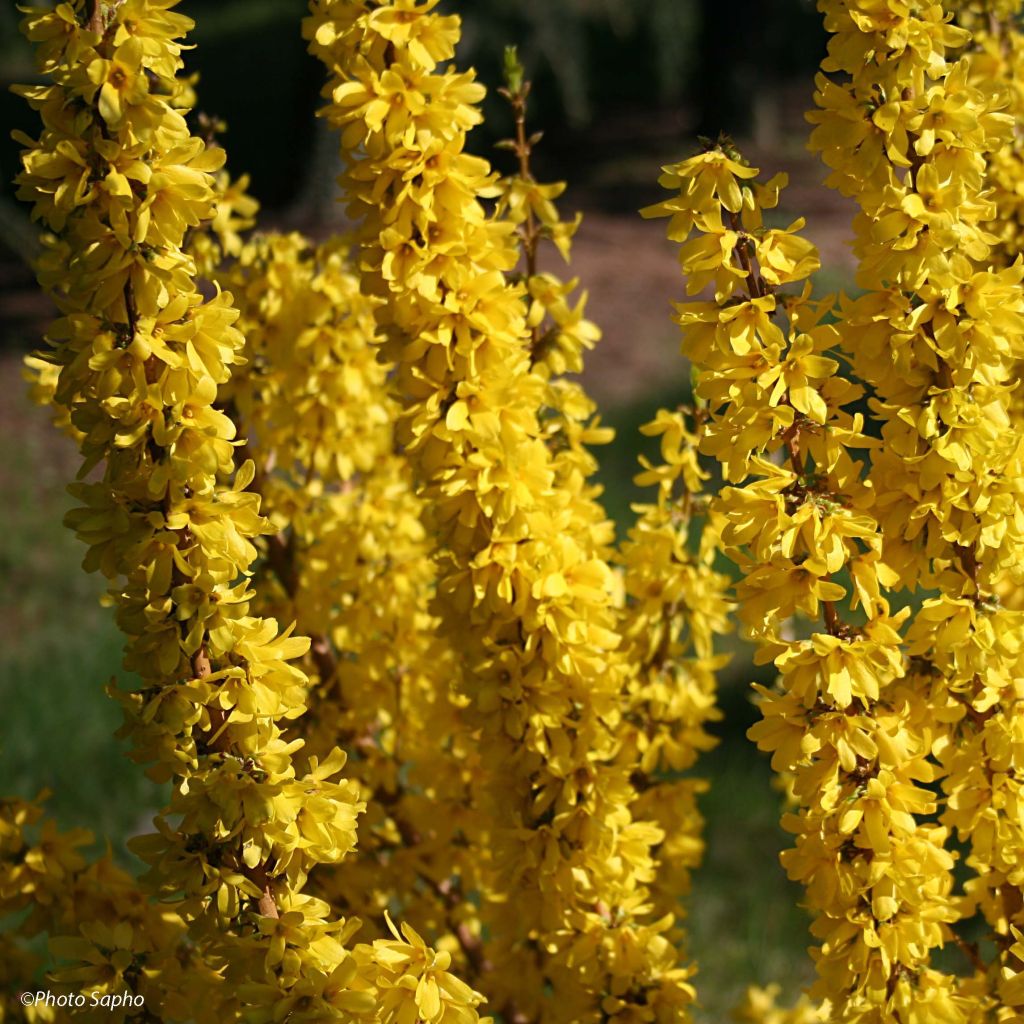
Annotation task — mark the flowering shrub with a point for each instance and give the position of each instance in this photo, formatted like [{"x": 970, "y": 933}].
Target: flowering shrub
[{"x": 390, "y": 654}]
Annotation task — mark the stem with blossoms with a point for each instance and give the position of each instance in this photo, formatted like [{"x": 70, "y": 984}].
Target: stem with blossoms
[
  {"x": 842, "y": 722},
  {"x": 524, "y": 592},
  {"x": 168, "y": 520},
  {"x": 938, "y": 338}
]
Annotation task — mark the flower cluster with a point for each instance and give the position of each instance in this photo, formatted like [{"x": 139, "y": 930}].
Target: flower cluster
[
  {"x": 52, "y": 881},
  {"x": 938, "y": 338},
  {"x": 526, "y": 593},
  {"x": 996, "y": 60},
  {"x": 760, "y": 1006},
  {"x": 842, "y": 720},
  {"x": 350, "y": 562},
  {"x": 675, "y": 606},
  {"x": 377, "y": 440},
  {"x": 119, "y": 180}
]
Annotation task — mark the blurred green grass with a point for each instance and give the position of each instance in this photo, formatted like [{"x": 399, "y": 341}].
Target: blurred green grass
[
  {"x": 745, "y": 923},
  {"x": 59, "y": 647}
]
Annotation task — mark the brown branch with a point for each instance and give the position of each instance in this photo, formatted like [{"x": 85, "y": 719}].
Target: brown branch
[
  {"x": 832, "y": 621},
  {"x": 217, "y": 739},
  {"x": 220, "y": 741},
  {"x": 281, "y": 559},
  {"x": 511, "y": 1013},
  {"x": 755, "y": 286},
  {"x": 970, "y": 950},
  {"x": 201, "y": 663},
  {"x": 322, "y": 652},
  {"x": 791, "y": 439},
  {"x": 96, "y": 18},
  {"x": 523, "y": 149},
  {"x": 267, "y": 903},
  {"x": 968, "y": 556},
  {"x": 130, "y": 306},
  {"x": 529, "y": 232},
  {"x": 471, "y": 945},
  {"x": 999, "y": 30}
]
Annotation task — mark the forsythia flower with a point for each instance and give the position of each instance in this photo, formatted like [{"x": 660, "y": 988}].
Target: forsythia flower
[
  {"x": 525, "y": 592},
  {"x": 350, "y": 561},
  {"x": 937, "y": 337},
  {"x": 842, "y": 721},
  {"x": 118, "y": 179}
]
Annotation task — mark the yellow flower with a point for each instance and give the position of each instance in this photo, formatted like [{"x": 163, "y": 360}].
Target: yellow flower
[{"x": 121, "y": 81}]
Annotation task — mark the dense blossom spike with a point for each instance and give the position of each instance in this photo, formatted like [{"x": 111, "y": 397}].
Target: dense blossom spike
[
  {"x": 996, "y": 59},
  {"x": 350, "y": 562},
  {"x": 675, "y": 606},
  {"x": 118, "y": 179},
  {"x": 525, "y": 590},
  {"x": 842, "y": 720},
  {"x": 939, "y": 338},
  {"x": 559, "y": 331}
]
